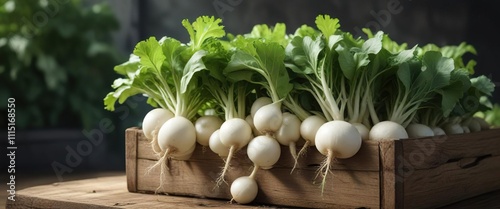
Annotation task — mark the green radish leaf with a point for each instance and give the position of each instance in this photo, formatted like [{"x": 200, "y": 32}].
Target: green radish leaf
[
  {"x": 150, "y": 53},
  {"x": 203, "y": 28},
  {"x": 172, "y": 50},
  {"x": 128, "y": 68},
  {"x": 194, "y": 65},
  {"x": 403, "y": 56},
  {"x": 327, "y": 25},
  {"x": 268, "y": 61},
  {"x": 483, "y": 84},
  {"x": 373, "y": 45}
]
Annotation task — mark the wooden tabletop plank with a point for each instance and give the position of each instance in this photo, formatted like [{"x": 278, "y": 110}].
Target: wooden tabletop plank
[
  {"x": 111, "y": 192},
  {"x": 104, "y": 193}
]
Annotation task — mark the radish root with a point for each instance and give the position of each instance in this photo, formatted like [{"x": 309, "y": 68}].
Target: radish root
[{"x": 221, "y": 177}]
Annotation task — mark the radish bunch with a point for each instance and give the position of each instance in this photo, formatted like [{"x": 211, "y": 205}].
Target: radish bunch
[{"x": 320, "y": 87}]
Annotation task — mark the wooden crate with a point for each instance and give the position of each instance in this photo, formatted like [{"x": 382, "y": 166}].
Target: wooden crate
[{"x": 410, "y": 173}]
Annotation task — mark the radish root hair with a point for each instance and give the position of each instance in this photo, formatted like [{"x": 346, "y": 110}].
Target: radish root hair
[
  {"x": 222, "y": 176},
  {"x": 324, "y": 169},
  {"x": 293, "y": 152}
]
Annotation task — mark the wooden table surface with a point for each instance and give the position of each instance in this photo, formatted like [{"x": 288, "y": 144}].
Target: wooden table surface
[{"x": 111, "y": 192}]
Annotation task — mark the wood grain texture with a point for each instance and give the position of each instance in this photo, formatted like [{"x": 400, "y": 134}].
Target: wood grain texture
[
  {"x": 426, "y": 153},
  {"x": 410, "y": 173},
  {"x": 450, "y": 183},
  {"x": 443, "y": 170},
  {"x": 104, "y": 193},
  {"x": 345, "y": 189},
  {"x": 353, "y": 182},
  {"x": 391, "y": 184},
  {"x": 131, "y": 143},
  {"x": 111, "y": 192}
]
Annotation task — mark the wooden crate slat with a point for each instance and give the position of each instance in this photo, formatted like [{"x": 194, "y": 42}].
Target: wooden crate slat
[
  {"x": 276, "y": 186},
  {"x": 131, "y": 146},
  {"x": 434, "y": 151},
  {"x": 451, "y": 183}
]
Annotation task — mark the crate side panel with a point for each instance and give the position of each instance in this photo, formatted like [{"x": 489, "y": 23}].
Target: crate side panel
[
  {"x": 451, "y": 182},
  {"x": 345, "y": 189},
  {"x": 427, "y": 153}
]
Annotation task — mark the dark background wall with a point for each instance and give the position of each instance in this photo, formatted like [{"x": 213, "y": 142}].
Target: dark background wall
[{"x": 445, "y": 22}]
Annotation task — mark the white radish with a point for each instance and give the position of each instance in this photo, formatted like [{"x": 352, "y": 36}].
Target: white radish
[
  {"x": 289, "y": 134},
  {"x": 474, "y": 125},
  {"x": 177, "y": 135},
  {"x": 234, "y": 133},
  {"x": 216, "y": 145},
  {"x": 264, "y": 151},
  {"x": 258, "y": 103},
  {"x": 336, "y": 139},
  {"x": 152, "y": 123},
  {"x": 417, "y": 130},
  {"x": 184, "y": 156},
  {"x": 205, "y": 126},
  {"x": 453, "y": 128},
  {"x": 268, "y": 118},
  {"x": 387, "y": 130},
  {"x": 244, "y": 189},
  {"x": 484, "y": 125},
  {"x": 438, "y": 131},
  {"x": 363, "y": 130},
  {"x": 176, "y": 138},
  {"x": 466, "y": 129},
  {"x": 309, "y": 127},
  {"x": 249, "y": 120}
]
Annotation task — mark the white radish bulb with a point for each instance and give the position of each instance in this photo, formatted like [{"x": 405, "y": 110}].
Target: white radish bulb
[
  {"x": 336, "y": 139},
  {"x": 216, "y": 145},
  {"x": 339, "y": 138},
  {"x": 484, "y": 125},
  {"x": 268, "y": 119},
  {"x": 235, "y": 132},
  {"x": 177, "y": 135},
  {"x": 205, "y": 126},
  {"x": 244, "y": 189},
  {"x": 184, "y": 156},
  {"x": 438, "y": 131},
  {"x": 474, "y": 125},
  {"x": 264, "y": 151},
  {"x": 466, "y": 129},
  {"x": 310, "y": 126},
  {"x": 249, "y": 120},
  {"x": 153, "y": 121},
  {"x": 289, "y": 134},
  {"x": 362, "y": 129},
  {"x": 290, "y": 129},
  {"x": 416, "y": 130},
  {"x": 453, "y": 128},
  {"x": 259, "y": 102},
  {"x": 387, "y": 130}
]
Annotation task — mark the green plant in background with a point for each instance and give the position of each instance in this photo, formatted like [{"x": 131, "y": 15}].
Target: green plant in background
[{"x": 55, "y": 58}]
